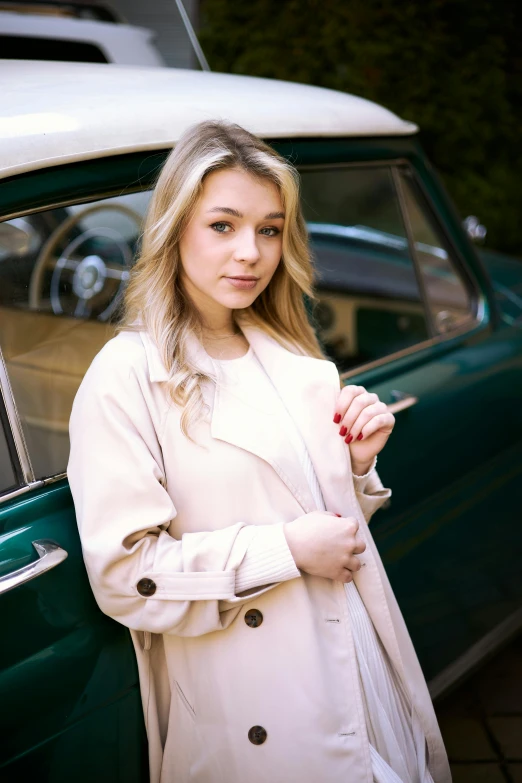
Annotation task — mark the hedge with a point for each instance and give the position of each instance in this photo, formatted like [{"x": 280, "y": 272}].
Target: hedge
[{"x": 452, "y": 66}]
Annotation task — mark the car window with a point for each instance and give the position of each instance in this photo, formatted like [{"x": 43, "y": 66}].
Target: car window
[
  {"x": 25, "y": 47},
  {"x": 63, "y": 273},
  {"x": 62, "y": 276},
  {"x": 369, "y": 303},
  {"x": 446, "y": 292}
]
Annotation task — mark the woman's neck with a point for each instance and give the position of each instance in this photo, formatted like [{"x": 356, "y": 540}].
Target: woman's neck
[{"x": 224, "y": 341}]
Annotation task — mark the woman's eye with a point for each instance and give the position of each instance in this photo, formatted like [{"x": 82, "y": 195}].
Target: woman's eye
[
  {"x": 271, "y": 232},
  {"x": 220, "y": 227}
]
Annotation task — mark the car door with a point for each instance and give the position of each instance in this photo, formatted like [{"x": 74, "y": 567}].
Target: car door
[
  {"x": 69, "y": 695},
  {"x": 404, "y": 311}
]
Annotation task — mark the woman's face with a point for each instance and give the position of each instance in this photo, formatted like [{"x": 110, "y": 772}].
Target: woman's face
[{"x": 235, "y": 233}]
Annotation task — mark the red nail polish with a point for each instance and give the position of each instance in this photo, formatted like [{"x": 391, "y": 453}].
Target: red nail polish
[
  {"x": 337, "y": 515},
  {"x": 337, "y": 418},
  {"x": 348, "y": 439},
  {"x": 343, "y": 431},
  {"x": 360, "y": 436}
]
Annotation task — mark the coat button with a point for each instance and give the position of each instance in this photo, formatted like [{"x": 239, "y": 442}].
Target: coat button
[
  {"x": 146, "y": 587},
  {"x": 253, "y": 618},
  {"x": 257, "y": 735}
]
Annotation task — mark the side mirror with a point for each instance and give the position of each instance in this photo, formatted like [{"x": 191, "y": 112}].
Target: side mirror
[{"x": 474, "y": 229}]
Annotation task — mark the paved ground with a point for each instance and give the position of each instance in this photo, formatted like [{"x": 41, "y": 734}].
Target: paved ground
[{"x": 482, "y": 722}]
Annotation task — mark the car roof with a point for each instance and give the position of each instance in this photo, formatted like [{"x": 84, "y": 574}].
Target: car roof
[{"x": 59, "y": 112}]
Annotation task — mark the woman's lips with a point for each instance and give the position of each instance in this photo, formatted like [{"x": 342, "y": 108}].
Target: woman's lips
[{"x": 237, "y": 282}]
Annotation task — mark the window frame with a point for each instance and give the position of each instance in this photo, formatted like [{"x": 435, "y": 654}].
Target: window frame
[
  {"x": 455, "y": 258},
  {"x": 11, "y": 427},
  {"x": 17, "y": 444},
  {"x": 477, "y": 298}
]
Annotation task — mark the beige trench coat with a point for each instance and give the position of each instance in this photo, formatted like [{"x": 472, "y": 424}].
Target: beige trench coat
[{"x": 193, "y": 518}]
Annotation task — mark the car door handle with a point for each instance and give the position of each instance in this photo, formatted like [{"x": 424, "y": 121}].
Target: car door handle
[
  {"x": 50, "y": 555},
  {"x": 401, "y": 401}
]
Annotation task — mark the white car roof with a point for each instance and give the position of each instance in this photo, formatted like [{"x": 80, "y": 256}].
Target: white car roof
[{"x": 57, "y": 112}]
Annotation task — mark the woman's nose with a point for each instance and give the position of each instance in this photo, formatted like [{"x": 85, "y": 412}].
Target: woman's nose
[{"x": 246, "y": 248}]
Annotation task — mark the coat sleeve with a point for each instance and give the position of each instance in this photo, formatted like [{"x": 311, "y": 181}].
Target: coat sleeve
[
  {"x": 370, "y": 491},
  {"x": 123, "y": 511}
]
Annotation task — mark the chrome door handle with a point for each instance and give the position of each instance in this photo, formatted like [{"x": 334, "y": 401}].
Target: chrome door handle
[
  {"x": 401, "y": 401},
  {"x": 50, "y": 555}
]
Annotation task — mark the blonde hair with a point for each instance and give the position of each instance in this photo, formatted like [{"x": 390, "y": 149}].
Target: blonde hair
[{"x": 155, "y": 297}]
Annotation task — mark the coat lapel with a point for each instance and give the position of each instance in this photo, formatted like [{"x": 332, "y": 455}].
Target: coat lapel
[
  {"x": 309, "y": 389},
  {"x": 242, "y": 417}
]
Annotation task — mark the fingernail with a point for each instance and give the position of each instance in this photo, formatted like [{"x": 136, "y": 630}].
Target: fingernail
[
  {"x": 348, "y": 439},
  {"x": 360, "y": 436},
  {"x": 337, "y": 515},
  {"x": 343, "y": 431},
  {"x": 337, "y": 418}
]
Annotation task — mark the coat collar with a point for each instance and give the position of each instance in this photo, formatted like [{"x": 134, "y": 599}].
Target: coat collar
[{"x": 308, "y": 387}]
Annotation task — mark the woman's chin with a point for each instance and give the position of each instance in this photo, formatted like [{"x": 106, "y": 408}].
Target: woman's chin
[{"x": 238, "y": 299}]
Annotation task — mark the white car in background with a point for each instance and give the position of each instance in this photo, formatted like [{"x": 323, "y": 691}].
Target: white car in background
[{"x": 75, "y": 32}]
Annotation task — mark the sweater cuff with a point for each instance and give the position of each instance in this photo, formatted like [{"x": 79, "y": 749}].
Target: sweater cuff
[
  {"x": 360, "y": 481},
  {"x": 268, "y": 559}
]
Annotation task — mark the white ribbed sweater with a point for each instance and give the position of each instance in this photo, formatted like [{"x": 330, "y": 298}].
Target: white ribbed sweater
[{"x": 397, "y": 745}]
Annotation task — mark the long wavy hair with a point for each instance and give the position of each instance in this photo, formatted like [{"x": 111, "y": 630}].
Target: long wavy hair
[{"x": 155, "y": 299}]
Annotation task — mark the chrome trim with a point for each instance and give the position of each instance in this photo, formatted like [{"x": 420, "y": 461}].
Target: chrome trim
[
  {"x": 402, "y": 402},
  {"x": 50, "y": 554},
  {"x": 469, "y": 661},
  {"x": 432, "y": 341},
  {"x": 15, "y": 423},
  {"x": 53, "y": 479},
  {"x": 20, "y": 491},
  {"x": 33, "y": 485}
]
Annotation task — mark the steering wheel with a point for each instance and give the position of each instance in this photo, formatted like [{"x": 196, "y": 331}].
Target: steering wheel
[{"x": 90, "y": 276}]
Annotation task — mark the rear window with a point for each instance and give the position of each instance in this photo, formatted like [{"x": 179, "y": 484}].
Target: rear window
[{"x": 22, "y": 47}]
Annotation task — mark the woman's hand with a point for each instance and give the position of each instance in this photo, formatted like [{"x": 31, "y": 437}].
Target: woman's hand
[
  {"x": 365, "y": 423},
  {"x": 324, "y": 544}
]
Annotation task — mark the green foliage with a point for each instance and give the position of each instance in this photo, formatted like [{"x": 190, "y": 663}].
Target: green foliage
[{"x": 452, "y": 66}]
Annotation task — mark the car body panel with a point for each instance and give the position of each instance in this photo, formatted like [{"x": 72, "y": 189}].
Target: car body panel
[
  {"x": 63, "y": 665},
  {"x": 451, "y": 537}
]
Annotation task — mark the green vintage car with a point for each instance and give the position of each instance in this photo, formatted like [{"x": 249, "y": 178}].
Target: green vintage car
[{"x": 405, "y": 307}]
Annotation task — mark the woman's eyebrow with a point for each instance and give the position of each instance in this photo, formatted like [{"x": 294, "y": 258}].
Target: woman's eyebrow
[{"x": 236, "y": 213}]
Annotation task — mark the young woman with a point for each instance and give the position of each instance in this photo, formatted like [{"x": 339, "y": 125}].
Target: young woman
[{"x": 223, "y": 482}]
